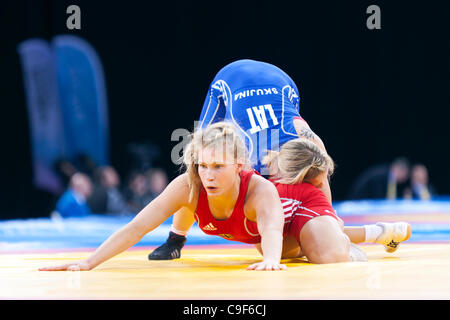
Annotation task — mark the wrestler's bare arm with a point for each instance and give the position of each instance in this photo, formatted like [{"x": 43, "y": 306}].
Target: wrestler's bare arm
[
  {"x": 304, "y": 131},
  {"x": 174, "y": 197}
]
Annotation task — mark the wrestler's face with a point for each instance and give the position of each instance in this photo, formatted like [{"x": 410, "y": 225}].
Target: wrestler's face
[{"x": 218, "y": 171}]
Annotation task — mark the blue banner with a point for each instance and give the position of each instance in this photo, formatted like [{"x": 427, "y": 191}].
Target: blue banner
[
  {"x": 83, "y": 99},
  {"x": 44, "y": 114}
]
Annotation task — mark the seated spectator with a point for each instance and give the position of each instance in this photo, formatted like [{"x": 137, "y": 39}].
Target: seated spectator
[
  {"x": 419, "y": 184},
  {"x": 98, "y": 199},
  {"x": 86, "y": 164},
  {"x": 138, "y": 192},
  {"x": 110, "y": 181},
  {"x": 73, "y": 202},
  {"x": 65, "y": 170},
  {"x": 158, "y": 180},
  {"x": 386, "y": 181}
]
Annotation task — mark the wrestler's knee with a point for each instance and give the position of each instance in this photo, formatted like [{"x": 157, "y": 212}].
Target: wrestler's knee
[{"x": 324, "y": 242}]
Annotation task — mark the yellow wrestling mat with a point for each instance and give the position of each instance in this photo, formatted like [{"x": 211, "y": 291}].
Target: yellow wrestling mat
[{"x": 415, "y": 271}]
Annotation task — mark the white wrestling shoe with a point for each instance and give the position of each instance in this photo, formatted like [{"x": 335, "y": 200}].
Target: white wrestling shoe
[
  {"x": 393, "y": 234},
  {"x": 356, "y": 254}
]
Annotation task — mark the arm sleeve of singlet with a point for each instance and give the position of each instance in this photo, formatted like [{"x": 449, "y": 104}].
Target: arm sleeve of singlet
[{"x": 296, "y": 97}]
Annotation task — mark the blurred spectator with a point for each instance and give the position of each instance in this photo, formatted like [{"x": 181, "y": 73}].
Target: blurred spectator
[
  {"x": 105, "y": 194},
  {"x": 98, "y": 199},
  {"x": 73, "y": 202},
  {"x": 386, "y": 181},
  {"x": 138, "y": 192},
  {"x": 158, "y": 180},
  {"x": 65, "y": 170},
  {"x": 419, "y": 185},
  {"x": 86, "y": 164},
  {"x": 110, "y": 181}
]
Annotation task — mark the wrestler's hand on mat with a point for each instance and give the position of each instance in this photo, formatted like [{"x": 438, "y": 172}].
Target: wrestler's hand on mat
[
  {"x": 81, "y": 265},
  {"x": 267, "y": 265}
]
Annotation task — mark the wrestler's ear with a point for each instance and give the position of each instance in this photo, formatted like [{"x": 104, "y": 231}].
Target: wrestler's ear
[{"x": 239, "y": 167}]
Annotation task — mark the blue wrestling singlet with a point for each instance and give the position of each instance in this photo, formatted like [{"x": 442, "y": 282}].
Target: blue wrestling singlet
[{"x": 260, "y": 99}]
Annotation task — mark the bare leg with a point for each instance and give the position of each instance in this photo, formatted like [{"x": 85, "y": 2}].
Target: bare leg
[
  {"x": 291, "y": 249},
  {"x": 356, "y": 234},
  {"x": 325, "y": 187},
  {"x": 323, "y": 241}
]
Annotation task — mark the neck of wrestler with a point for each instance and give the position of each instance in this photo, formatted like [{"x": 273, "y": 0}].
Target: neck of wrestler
[{"x": 222, "y": 206}]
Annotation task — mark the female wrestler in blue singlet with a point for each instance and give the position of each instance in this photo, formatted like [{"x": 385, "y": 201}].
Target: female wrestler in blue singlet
[{"x": 260, "y": 99}]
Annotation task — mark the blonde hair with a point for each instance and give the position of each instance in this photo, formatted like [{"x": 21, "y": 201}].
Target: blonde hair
[
  {"x": 222, "y": 136},
  {"x": 298, "y": 160}
]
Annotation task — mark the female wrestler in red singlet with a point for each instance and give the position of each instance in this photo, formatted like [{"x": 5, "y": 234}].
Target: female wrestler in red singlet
[
  {"x": 213, "y": 159},
  {"x": 238, "y": 205}
]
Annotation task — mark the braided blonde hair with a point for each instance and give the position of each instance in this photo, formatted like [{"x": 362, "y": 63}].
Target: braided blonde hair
[
  {"x": 221, "y": 136},
  {"x": 298, "y": 160}
]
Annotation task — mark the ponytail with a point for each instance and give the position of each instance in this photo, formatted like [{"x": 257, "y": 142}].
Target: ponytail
[{"x": 298, "y": 160}]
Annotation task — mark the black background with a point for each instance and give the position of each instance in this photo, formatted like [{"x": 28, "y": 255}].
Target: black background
[{"x": 371, "y": 95}]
